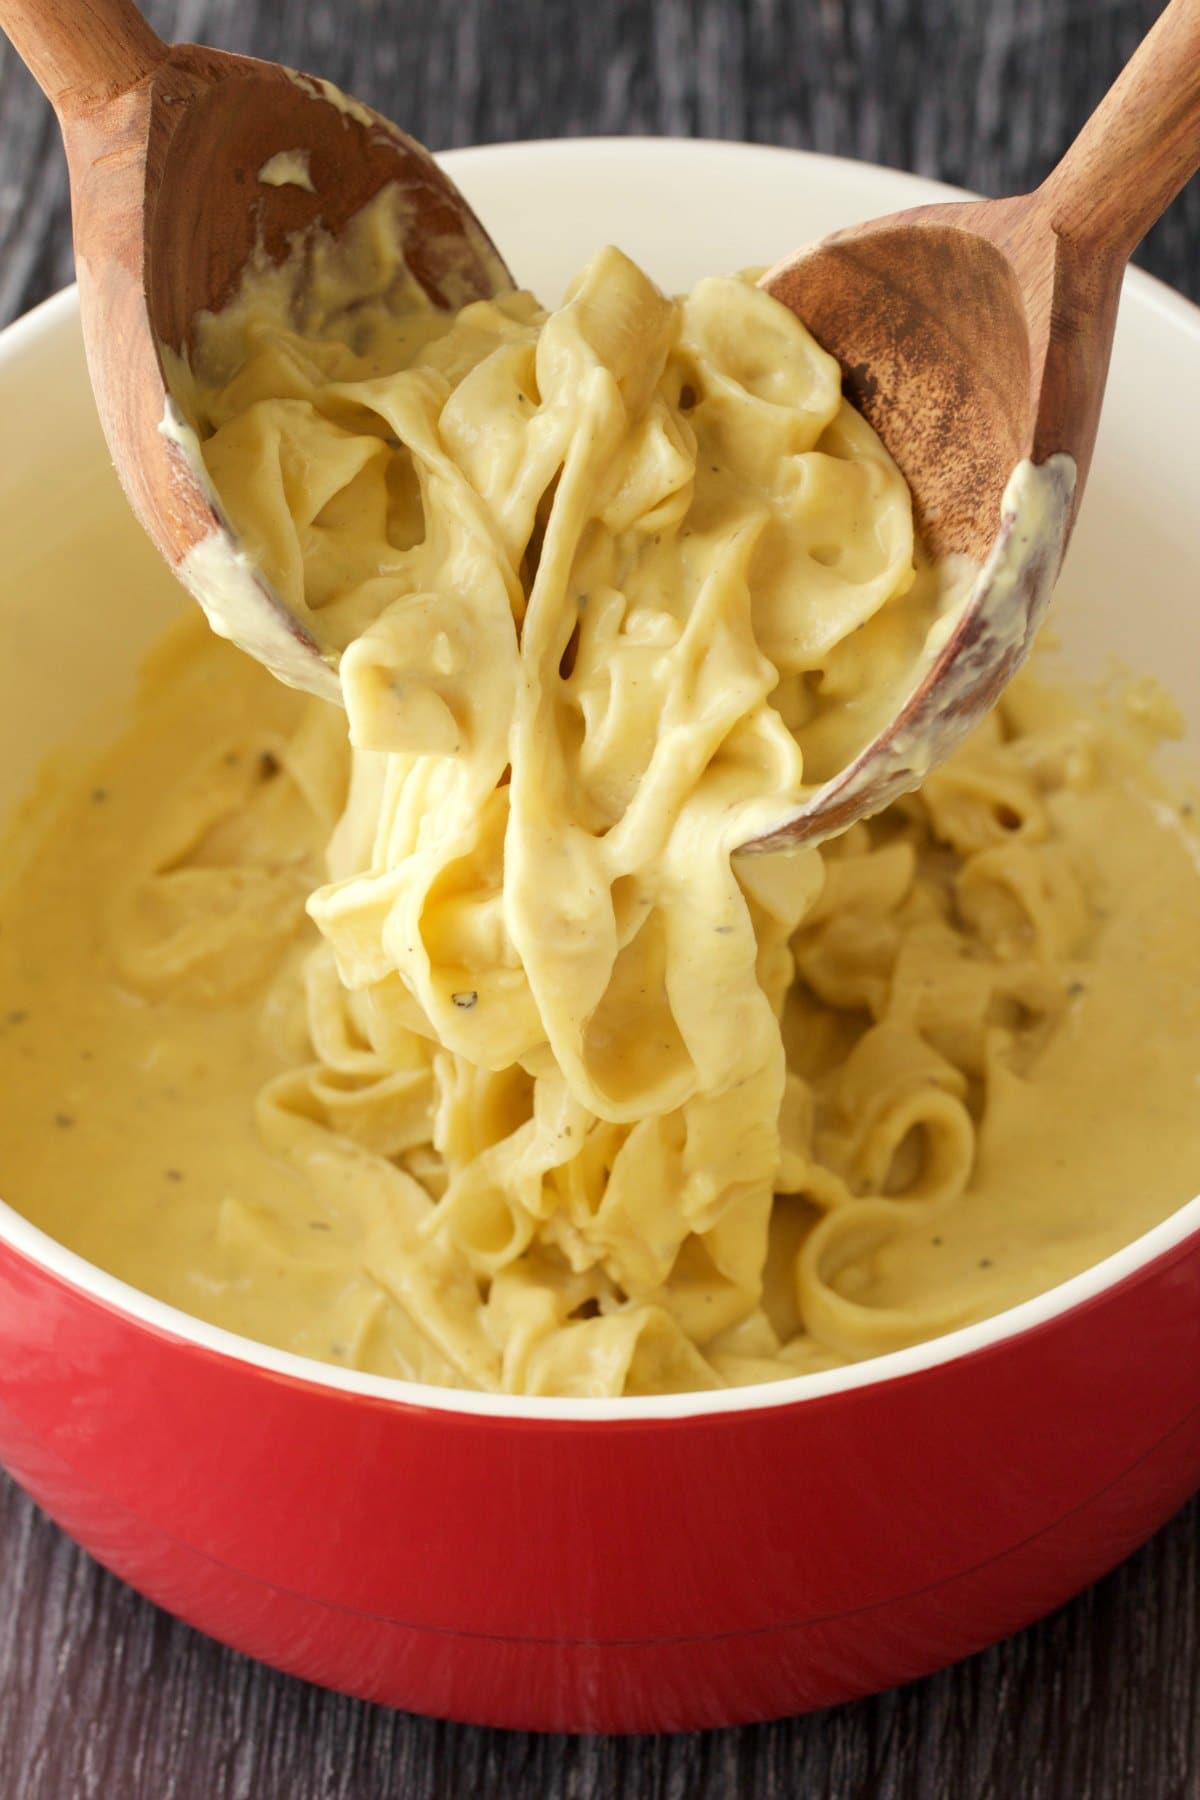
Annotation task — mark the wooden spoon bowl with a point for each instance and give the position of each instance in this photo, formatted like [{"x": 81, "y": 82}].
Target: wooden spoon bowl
[
  {"x": 975, "y": 338},
  {"x": 165, "y": 145}
]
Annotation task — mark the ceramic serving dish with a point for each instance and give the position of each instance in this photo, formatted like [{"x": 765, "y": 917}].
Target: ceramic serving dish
[{"x": 646, "y": 1564}]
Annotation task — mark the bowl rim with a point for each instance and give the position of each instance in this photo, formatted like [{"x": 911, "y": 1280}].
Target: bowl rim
[{"x": 1136, "y": 1259}]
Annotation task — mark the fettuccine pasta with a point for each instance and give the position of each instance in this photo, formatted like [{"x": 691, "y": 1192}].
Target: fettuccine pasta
[{"x": 551, "y": 1090}]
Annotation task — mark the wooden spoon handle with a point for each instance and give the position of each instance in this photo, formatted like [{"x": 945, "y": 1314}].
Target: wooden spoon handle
[
  {"x": 1139, "y": 146},
  {"x": 82, "y": 53}
]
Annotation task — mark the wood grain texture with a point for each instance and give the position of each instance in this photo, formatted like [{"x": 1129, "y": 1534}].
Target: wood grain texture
[
  {"x": 102, "y": 1697},
  {"x": 975, "y": 337},
  {"x": 162, "y": 142},
  {"x": 987, "y": 325}
]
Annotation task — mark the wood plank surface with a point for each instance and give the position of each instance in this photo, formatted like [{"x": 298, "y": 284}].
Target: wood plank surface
[{"x": 103, "y": 1697}]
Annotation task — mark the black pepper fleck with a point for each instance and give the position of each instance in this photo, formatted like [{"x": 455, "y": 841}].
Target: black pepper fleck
[
  {"x": 18, "y": 1017},
  {"x": 99, "y": 794},
  {"x": 173, "y": 1174},
  {"x": 268, "y": 765},
  {"x": 985, "y": 1262},
  {"x": 64, "y": 1121}
]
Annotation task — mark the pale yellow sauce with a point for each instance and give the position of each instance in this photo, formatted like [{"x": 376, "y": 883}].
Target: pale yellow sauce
[
  {"x": 511, "y": 1109},
  {"x": 287, "y": 168}
]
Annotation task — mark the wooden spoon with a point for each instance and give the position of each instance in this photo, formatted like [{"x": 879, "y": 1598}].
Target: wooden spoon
[
  {"x": 975, "y": 337},
  {"x": 165, "y": 145}
]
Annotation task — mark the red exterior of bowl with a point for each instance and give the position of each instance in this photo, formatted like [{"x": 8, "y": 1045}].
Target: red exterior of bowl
[{"x": 609, "y": 1575}]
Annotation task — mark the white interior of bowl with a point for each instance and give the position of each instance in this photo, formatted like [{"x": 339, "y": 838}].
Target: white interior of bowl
[{"x": 82, "y": 595}]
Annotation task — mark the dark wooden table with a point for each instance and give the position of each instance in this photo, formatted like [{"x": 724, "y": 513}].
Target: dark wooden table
[{"x": 103, "y": 1697}]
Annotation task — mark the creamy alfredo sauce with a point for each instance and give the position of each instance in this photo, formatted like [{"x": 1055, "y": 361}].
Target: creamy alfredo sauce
[{"x": 464, "y": 1050}]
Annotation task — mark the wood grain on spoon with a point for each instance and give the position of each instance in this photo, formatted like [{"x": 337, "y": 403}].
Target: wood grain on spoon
[
  {"x": 164, "y": 145},
  {"x": 975, "y": 336}
]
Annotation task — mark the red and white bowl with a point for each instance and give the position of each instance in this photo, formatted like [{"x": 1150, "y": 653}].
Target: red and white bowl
[{"x": 645, "y": 1564}]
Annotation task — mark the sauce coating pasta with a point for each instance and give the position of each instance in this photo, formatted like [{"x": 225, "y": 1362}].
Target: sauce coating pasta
[{"x": 463, "y": 1046}]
